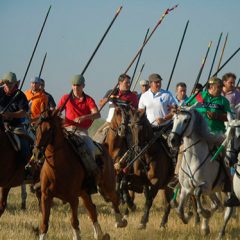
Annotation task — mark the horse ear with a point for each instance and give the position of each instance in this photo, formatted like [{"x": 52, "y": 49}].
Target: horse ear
[{"x": 56, "y": 112}]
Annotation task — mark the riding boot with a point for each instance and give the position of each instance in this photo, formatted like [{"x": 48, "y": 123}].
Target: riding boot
[{"x": 233, "y": 201}]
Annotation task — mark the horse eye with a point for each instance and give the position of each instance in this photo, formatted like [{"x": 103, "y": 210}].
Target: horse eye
[{"x": 185, "y": 121}]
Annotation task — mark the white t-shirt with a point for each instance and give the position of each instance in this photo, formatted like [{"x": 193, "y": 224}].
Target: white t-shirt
[
  {"x": 156, "y": 105},
  {"x": 110, "y": 112}
]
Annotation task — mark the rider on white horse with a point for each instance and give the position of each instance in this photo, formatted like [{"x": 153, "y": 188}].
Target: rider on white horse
[{"x": 214, "y": 108}]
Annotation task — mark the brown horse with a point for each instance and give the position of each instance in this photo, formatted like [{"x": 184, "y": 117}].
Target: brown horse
[
  {"x": 11, "y": 168},
  {"x": 154, "y": 169},
  {"x": 63, "y": 174},
  {"x": 118, "y": 142}
]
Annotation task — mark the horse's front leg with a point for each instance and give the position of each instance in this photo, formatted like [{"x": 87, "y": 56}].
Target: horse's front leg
[
  {"x": 168, "y": 196},
  {"x": 200, "y": 209},
  {"x": 180, "y": 209},
  {"x": 91, "y": 208},
  {"x": 74, "y": 219},
  {"x": 46, "y": 202},
  {"x": 3, "y": 199},
  {"x": 227, "y": 215},
  {"x": 150, "y": 193}
]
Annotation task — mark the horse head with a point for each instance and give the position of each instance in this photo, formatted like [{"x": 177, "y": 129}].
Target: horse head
[
  {"x": 233, "y": 142},
  {"x": 183, "y": 120},
  {"x": 45, "y": 128},
  {"x": 141, "y": 129},
  {"x": 120, "y": 118}
]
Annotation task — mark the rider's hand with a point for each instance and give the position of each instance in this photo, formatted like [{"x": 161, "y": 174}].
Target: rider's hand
[
  {"x": 160, "y": 121},
  {"x": 211, "y": 115}
]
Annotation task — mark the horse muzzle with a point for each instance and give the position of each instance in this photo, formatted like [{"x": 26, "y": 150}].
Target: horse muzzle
[{"x": 174, "y": 140}]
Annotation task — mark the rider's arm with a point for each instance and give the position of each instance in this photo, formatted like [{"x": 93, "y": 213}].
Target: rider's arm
[
  {"x": 11, "y": 115},
  {"x": 95, "y": 114}
]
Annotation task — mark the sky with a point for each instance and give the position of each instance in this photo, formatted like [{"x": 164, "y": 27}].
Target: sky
[{"x": 74, "y": 28}]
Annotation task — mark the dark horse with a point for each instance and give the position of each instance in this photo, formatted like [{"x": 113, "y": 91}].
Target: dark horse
[
  {"x": 63, "y": 175},
  {"x": 11, "y": 168},
  {"x": 154, "y": 169}
]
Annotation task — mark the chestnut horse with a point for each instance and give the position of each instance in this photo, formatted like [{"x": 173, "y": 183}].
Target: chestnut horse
[
  {"x": 63, "y": 174},
  {"x": 118, "y": 142},
  {"x": 11, "y": 168}
]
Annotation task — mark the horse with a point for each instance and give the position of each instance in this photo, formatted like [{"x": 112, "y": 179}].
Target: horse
[
  {"x": 154, "y": 169},
  {"x": 63, "y": 176},
  {"x": 198, "y": 175},
  {"x": 12, "y": 167},
  {"x": 232, "y": 157},
  {"x": 117, "y": 143}
]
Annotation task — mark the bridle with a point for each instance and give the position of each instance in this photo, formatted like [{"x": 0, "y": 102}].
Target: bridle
[{"x": 180, "y": 136}]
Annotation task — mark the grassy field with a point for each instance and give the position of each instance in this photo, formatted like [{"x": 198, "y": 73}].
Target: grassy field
[{"x": 17, "y": 224}]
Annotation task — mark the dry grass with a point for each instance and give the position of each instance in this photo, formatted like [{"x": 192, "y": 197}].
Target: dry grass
[{"x": 17, "y": 224}]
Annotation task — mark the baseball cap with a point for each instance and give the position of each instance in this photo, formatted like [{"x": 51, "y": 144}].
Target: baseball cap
[
  {"x": 78, "y": 80},
  {"x": 154, "y": 77}
]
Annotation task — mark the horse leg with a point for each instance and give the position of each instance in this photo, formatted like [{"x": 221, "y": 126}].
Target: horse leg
[
  {"x": 92, "y": 212},
  {"x": 205, "y": 227},
  {"x": 216, "y": 203},
  {"x": 3, "y": 199},
  {"x": 194, "y": 204},
  {"x": 126, "y": 195},
  {"x": 113, "y": 197},
  {"x": 168, "y": 196},
  {"x": 23, "y": 196},
  {"x": 74, "y": 218},
  {"x": 180, "y": 209},
  {"x": 150, "y": 193},
  {"x": 204, "y": 212},
  {"x": 227, "y": 216},
  {"x": 46, "y": 202}
]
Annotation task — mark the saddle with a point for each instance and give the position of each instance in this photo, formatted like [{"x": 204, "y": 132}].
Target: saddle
[{"x": 15, "y": 134}]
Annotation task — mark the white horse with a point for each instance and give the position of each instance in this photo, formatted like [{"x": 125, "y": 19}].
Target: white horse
[
  {"x": 197, "y": 175},
  {"x": 232, "y": 153}
]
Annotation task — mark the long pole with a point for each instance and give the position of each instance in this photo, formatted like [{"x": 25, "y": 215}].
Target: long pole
[
  {"x": 223, "y": 49},
  {"x": 139, "y": 57},
  {"x": 138, "y": 77},
  {"x": 201, "y": 68},
  {"x": 93, "y": 54},
  {"x": 179, "y": 49},
  {"x": 29, "y": 63},
  {"x": 238, "y": 82},
  {"x": 214, "y": 75},
  {"x": 43, "y": 62},
  {"x": 138, "y": 52},
  {"x": 215, "y": 55},
  {"x": 35, "y": 47}
]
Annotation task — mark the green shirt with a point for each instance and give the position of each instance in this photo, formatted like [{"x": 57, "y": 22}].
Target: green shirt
[{"x": 212, "y": 104}]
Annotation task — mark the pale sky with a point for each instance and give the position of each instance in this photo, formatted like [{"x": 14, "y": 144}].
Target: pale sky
[{"x": 74, "y": 28}]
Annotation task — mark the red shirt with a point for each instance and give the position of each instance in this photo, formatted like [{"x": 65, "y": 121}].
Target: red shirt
[
  {"x": 76, "y": 108},
  {"x": 130, "y": 97}
]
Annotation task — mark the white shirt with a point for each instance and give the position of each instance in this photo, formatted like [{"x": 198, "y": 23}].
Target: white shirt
[
  {"x": 156, "y": 105},
  {"x": 110, "y": 112}
]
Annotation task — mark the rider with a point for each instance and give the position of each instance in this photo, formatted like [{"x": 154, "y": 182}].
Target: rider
[
  {"x": 122, "y": 93},
  {"x": 80, "y": 111},
  {"x": 157, "y": 103},
  {"x": 214, "y": 109},
  {"x": 36, "y": 98},
  {"x": 181, "y": 93},
  {"x": 15, "y": 114}
]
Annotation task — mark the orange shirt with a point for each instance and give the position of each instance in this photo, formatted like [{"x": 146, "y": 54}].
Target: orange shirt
[{"x": 36, "y": 100}]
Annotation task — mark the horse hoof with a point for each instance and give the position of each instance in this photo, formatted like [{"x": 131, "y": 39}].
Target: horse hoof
[
  {"x": 205, "y": 231},
  {"x": 142, "y": 226},
  {"x": 220, "y": 236},
  {"x": 162, "y": 227},
  {"x": 106, "y": 236},
  {"x": 121, "y": 224},
  {"x": 23, "y": 206}
]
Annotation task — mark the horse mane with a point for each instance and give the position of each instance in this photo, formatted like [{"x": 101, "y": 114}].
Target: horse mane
[{"x": 200, "y": 125}]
